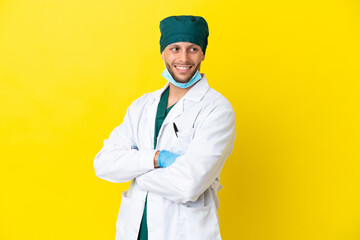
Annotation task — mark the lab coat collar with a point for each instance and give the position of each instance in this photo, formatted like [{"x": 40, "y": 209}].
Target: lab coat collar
[
  {"x": 157, "y": 94},
  {"x": 195, "y": 94}
]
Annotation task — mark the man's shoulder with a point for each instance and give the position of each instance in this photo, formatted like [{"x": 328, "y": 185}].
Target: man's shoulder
[
  {"x": 143, "y": 98},
  {"x": 146, "y": 99},
  {"x": 217, "y": 100}
]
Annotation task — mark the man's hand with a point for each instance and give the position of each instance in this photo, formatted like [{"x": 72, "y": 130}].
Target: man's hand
[{"x": 165, "y": 158}]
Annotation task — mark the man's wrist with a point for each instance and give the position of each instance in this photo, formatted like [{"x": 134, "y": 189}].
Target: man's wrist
[{"x": 156, "y": 159}]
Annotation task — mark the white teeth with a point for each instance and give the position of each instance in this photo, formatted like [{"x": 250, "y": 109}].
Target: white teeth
[{"x": 182, "y": 68}]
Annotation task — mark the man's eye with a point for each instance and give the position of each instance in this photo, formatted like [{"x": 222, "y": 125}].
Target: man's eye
[
  {"x": 174, "y": 49},
  {"x": 193, "y": 49}
]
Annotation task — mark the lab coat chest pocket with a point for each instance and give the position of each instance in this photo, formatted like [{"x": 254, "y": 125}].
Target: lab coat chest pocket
[{"x": 183, "y": 140}]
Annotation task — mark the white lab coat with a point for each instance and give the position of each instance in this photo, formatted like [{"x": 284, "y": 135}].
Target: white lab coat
[{"x": 182, "y": 200}]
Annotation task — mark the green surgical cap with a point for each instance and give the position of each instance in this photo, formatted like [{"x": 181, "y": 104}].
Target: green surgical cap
[{"x": 184, "y": 29}]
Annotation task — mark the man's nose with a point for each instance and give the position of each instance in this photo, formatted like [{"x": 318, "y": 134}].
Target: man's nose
[{"x": 184, "y": 56}]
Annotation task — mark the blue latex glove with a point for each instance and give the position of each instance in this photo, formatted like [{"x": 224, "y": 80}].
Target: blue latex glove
[{"x": 166, "y": 158}]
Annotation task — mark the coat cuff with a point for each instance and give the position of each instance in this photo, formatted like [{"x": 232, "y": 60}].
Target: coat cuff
[{"x": 147, "y": 160}]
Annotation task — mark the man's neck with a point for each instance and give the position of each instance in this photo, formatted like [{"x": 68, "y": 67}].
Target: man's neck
[{"x": 176, "y": 93}]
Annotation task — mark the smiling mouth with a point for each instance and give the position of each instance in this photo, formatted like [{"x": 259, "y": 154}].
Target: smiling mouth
[{"x": 182, "y": 68}]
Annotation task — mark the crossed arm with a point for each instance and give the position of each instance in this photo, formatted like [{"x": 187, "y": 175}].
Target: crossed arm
[{"x": 189, "y": 175}]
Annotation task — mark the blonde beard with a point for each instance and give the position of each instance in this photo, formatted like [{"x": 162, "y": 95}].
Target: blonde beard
[{"x": 179, "y": 80}]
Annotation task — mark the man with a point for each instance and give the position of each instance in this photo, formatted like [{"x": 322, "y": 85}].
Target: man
[{"x": 172, "y": 146}]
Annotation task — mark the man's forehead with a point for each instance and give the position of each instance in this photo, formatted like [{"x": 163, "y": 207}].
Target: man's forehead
[{"x": 187, "y": 44}]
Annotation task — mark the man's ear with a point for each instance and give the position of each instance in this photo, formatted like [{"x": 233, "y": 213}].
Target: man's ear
[
  {"x": 203, "y": 57},
  {"x": 162, "y": 55}
]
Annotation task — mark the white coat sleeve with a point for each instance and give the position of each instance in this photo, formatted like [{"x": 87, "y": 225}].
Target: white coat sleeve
[
  {"x": 120, "y": 160},
  {"x": 192, "y": 173}
]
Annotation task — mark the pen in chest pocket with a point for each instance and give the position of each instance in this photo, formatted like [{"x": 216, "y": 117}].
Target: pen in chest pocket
[{"x": 175, "y": 129}]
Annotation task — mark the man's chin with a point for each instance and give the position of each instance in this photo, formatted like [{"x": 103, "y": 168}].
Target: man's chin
[
  {"x": 181, "y": 80},
  {"x": 184, "y": 80}
]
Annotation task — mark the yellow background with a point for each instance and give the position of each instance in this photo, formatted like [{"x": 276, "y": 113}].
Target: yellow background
[{"x": 69, "y": 70}]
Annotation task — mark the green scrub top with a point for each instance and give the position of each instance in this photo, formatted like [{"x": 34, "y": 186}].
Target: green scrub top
[{"x": 161, "y": 114}]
